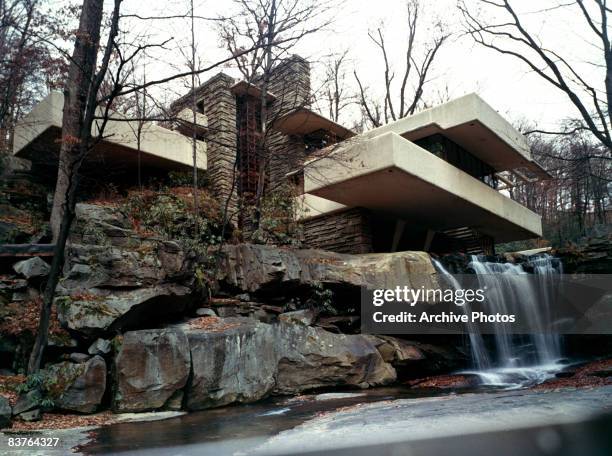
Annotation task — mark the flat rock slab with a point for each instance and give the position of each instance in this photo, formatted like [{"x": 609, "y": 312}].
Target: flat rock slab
[
  {"x": 434, "y": 417},
  {"x": 99, "y": 312},
  {"x": 255, "y": 268}
]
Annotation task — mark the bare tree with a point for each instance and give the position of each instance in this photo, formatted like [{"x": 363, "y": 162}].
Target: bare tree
[
  {"x": 80, "y": 104},
  {"x": 194, "y": 102},
  {"x": 510, "y": 36},
  {"x": 403, "y": 101},
  {"x": 139, "y": 111},
  {"x": 272, "y": 28},
  {"x": 30, "y": 58},
  {"x": 578, "y": 197},
  {"x": 335, "y": 88}
]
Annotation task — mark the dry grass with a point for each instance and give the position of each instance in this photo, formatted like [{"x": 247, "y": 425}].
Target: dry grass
[
  {"x": 583, "y": 377},
  {"x": 21, "y": 317},
  {"x": 60, "y": 421},
  {"x": 8, "y": 385},
  {"x": 211, "y": 324}
]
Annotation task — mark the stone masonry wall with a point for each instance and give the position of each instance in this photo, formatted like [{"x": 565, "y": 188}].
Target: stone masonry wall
[
  {"x": 219, "y": 105},
  {"x": 290, "y": 83},
  {"x": 288, "y": 154},
  {"x": 348, "y": 231}
]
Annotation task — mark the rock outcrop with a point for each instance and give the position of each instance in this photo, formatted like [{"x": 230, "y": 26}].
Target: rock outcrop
[
  {"x": 101, "y": 311},
  {"x": 150, "y": 366},
  {"x": 115, "y": 280},
  {"x": 592, "y": 255},
  {"x": 242, "y": 360},
  {"x": 260, "y": 268},
  {"x": 95, "y": 266},
  {"x": 235, "y": 361},
  {"x": 273, "y": 324},
  {"x": 97, "y": 224}
]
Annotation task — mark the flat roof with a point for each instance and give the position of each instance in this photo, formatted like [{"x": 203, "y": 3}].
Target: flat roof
[
  {"x": 390, "y": 174},
  {"x": 246, "y": 88},
  {"x": 474, "y": 125},
  {"x": 303, "y": 121},
  {"x": 37, "y": 138}
]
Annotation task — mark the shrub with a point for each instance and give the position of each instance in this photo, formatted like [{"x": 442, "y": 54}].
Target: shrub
[
  {"x": 278, "y": 219},
  {"x": 169, "y": 213},
  {"x": 185, "y": 179}
]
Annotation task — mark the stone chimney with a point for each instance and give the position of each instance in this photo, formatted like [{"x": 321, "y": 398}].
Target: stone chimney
[{"x": 290, "y": 83}]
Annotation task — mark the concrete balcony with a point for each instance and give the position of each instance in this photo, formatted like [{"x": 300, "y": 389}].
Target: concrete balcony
[
  {"x": 37, "y": 138},
  {"x": 389, "y": 174}
]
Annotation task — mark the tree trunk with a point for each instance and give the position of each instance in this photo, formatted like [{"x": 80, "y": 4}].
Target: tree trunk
[
  {"x": 76, "y": 139},
  {"x": 80, "y": 80}
]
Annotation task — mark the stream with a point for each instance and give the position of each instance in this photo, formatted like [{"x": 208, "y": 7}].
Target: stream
[{"x": 357, "y": 418}]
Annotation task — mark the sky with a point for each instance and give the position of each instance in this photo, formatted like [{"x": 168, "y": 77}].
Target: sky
[{"x": 461, "y": 67}]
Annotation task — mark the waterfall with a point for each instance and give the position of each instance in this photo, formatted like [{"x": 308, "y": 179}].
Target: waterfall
[
  {"x": 480, "y": 357},
  {"x": 513, "y": 360}
]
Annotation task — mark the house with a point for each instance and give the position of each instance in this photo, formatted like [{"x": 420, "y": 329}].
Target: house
[
  {"x": 429, "y": 182},
  {"x": 128, "y": 149},
  {"x": 433, "y": 181}
]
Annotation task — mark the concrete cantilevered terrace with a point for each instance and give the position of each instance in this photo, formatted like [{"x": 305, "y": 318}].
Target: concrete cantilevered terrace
[
  {"x": 37, "y": 138},
  {"x": 384, "y": 171}
]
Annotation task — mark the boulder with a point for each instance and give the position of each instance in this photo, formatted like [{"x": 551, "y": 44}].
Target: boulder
[
  {"x": 150, "y": 367},
  {"x": 234, "y": 361},
  {"x": 32, "y": 269},
  {"x": 81, "y": 386},
  {"x": 310, "y": 358},
  {"x": 98, "y": 224},
  {"x": 205, "y": 312},
  {"x": 259, "y": 268},
  {"x": 5, "y": 412},
  {"x": 99, "y": 347},
  {"x": 100, "y": 311},
  {"x": 242, "y": 360},
  {"x": 301, "y": 317},
  {"x": 31, "y": 415},
  {"x": 29, "y": 294},
  {"x": 78, "y": 357},
  {"x": 26, "y": 402}
]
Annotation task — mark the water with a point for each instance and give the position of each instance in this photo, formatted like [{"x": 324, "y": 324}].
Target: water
[
  {"x": 234, "y": 429},
  {"x": 514, "y": 361}
]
